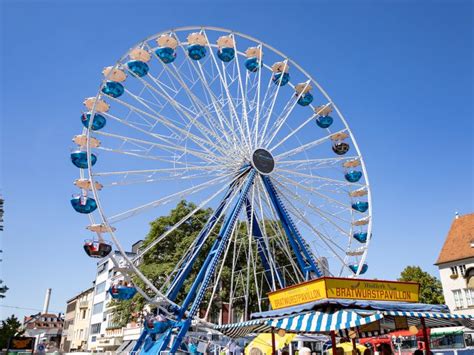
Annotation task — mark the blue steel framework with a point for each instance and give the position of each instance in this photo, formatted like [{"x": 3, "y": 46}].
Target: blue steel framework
[{"x": 185, "y": 313}]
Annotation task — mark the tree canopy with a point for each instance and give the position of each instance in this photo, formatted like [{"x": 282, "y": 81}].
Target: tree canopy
[
  {"x": 159, "y": 263},
  {"x": 9, "y": 327},
  {"x": 431, "y": 290}
]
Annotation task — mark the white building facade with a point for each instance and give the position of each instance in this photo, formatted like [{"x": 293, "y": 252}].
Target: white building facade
[
  {"x": 456, "y": 265},
  {"x": 76, "y": 323},
  {"x": 104, "y": 335}
]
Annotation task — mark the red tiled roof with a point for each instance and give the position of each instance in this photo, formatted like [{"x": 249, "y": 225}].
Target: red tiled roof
[{"x": 457, "y": 245}]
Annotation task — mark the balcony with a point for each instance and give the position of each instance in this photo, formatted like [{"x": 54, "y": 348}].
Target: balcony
[
  {"x": 114, "y": 332},
  {"x": 105, "y": 342},
  {"x": 84, "y": 304}
]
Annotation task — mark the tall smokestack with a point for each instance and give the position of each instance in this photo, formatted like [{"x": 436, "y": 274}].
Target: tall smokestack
[{"x": 47, "y": 296}]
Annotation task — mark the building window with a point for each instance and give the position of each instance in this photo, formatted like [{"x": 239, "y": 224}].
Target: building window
[
  {"x": 95, "y": 328},
  {"x": 469, "y": 292},
  {"x": 98, "y": 307},
  {"x": 458, "y": 299},
  {"x": 93, "y": 339},
  {"x": 102, "y": 267},
  {"x": 462, "y": 269},
  {"x": 84, "y": 313},
  {"x": 454, "y": 270},
  {"x": 100, "y": 288}
]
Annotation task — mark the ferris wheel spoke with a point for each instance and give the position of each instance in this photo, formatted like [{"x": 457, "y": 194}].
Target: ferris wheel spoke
[
  {"x": 153, "y": 171},
  {"x": 143, "y": 156},
  {"x": 257, "y": 106},
  {"x": 170, "y": 147},
  {"x": 194, "y": 249},
  {"x": 311, "y": 190},
  {"x": 282, "y": 240},
  {"x": 293, "y": 132},
  {"x": 223, "y": 81},
  {"x": 218, "y": 278},
  {"x": 181, "y": 110},
  {"x": 279, "y": 238},
  {"x": 202, "y": 142},
  {"x": 318, "y": 214},
  {"x": 205, "y": 155},
  {"x": 269, "y": 112},
  {"x": 153, "y": 179},
  {"x": 164, "y": 200},
  {"x": 326, "y": 240},
  {"x": 185, "y": 218},
  {"x": 328, "y": 217},
  {"x": 316, "y": 177},
  {"x": 290, "y": 106},
  {"x": 257, "y": 203},
  {"x": 243, "y": 95},
  {"x": 197, "y": 103},
  {"x": 307, "y": 146},
  {"x": 205, "y": 85},
  {"x": 321, "y": 163}
]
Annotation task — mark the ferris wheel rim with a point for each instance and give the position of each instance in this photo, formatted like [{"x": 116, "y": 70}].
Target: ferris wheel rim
[{"x": 296, "y": 65}]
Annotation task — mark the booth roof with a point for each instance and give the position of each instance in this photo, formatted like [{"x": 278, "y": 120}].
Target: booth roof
[{"x": 335, "y": 304}]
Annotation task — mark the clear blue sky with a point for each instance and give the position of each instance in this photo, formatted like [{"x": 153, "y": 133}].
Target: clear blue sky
[{"x": 400, "y": 71}]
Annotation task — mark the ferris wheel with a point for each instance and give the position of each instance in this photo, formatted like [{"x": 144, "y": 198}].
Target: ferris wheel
[{"x": 230, "y": 123}]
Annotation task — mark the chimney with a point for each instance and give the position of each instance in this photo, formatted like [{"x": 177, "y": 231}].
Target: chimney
[
  {"x": 457, "y": 215},
  {"x": 47, "y": 296}
]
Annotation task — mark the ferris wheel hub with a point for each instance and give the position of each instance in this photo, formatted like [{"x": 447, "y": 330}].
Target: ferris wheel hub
[{"x": 262, "y": 161}]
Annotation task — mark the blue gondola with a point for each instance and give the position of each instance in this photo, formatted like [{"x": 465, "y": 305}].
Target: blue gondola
[
  {"x": 113, "y": 89},
  {"x": 138, "y": 68},
  {"x": 252, "y": 64},
  {"x": 305, "y": 99},
  {"x": 83, "y": 204},
  {"x": 355, "y": 267},
  {"x": 226, "y": 54},
  {"x": 324, "y": 121},
  {"x": 121, "y": 292},
  {"x": 157, "y": 326},
  {"x": 361, "y": 237},
  {"x": 79, "y": 159},
  {"x": 360, "y": 206},
  {"x": 196, "y": 51},
  {"x": 166, "y": 54},
  {"x": 98, "y": 122},
  {"x": 340, "y": 148},
  {"x": 353, "y": 175},
  {"x": 281, "y": 78}
]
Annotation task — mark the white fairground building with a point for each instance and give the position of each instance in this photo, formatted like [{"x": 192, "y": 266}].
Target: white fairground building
[
  {"x": 456, "y": 265},
  {"x": 104, "y": 335}
]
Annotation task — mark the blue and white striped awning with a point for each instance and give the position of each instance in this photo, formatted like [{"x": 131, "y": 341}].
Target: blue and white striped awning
[
  {"x": 343, "y": 321},
  {"x": 432, "y": 319},
  {"x": 319, "y": 322},
  {"x": 238, "y": 330},
  {"x": 313, "y": 322}
]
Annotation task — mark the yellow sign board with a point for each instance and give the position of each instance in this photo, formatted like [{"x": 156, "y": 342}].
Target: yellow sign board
[{"x": 330, "y": 287}]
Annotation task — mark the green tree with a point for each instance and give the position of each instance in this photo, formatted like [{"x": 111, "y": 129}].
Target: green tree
[
  {"x": 158, "y": 264},
  {"x": 431, "y": 291},
  {"x": 9, "y": 327}
]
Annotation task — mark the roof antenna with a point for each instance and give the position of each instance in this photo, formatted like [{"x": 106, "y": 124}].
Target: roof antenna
[{"x": 456, "y": 214}]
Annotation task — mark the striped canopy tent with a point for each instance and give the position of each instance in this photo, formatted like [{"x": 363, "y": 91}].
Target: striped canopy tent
[
  {"x": 319, "y": 322},
  {"x": 313, "y": 322},
  {"x": 365, "y": 323},
  {"x": 431, "y": 319}
]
